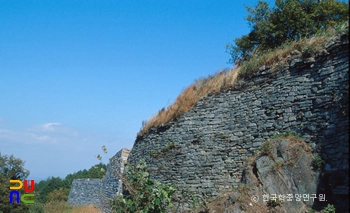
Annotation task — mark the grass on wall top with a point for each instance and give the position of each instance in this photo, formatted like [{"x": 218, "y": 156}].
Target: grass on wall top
[{"x": 228, "y": 79}]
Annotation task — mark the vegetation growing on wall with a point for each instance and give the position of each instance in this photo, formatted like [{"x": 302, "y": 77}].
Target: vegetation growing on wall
[
  {"x": 288, "y": 20},
  {"x": 291, "y": 25},
  {"x": 142, "y": 194},
  {"x": 164, "y": 151}
]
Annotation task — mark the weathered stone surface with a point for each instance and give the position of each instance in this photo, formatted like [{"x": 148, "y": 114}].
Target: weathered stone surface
[{"x": 287, "y": 171}]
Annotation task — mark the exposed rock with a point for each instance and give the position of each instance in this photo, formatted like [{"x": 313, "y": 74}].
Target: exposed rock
[
  {"x": 295, "y": 52},
  {"x": 285, "y": 172}
]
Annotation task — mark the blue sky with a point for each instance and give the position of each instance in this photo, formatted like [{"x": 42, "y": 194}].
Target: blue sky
[{"x": 77, "y": 75}]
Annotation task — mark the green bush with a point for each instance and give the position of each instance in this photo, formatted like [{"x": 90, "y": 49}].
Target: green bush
[
  {"x": 288, "y": 20},
  {"x": 141, "y": 193},
  {"x": 36, "y": 208},
  {"x": 329, "y": 209},
  {"x": 317, "y": 162},
  {"x": 273, "y": 203}
]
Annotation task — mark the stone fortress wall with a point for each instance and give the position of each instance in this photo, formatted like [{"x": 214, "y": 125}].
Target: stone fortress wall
[
  {"x": 99, "y": 191},
  {"x": 205, "y": 149}
]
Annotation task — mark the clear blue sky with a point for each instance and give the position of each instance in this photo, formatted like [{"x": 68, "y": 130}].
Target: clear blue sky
[{"x": 76, "y": 75}]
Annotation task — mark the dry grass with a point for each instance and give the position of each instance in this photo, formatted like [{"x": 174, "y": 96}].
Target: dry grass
[
  {"x": 86, "y": 209},
  {"x": 279, "y": 57},
  {"x": 63, "y": 207},
  {"x": 187, "y": 99},
  {"x": 56, "y": 207},
  {"x": 229, "y": 78}
]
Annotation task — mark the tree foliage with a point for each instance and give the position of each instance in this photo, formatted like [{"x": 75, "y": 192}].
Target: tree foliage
[
  {"x": 142, "y": 194},
  {"x": 58, "y": 195},
  {"x": 45, "y": 187},
  {"x": 11, "y": 168},
  {"x": 287, "y": 20}
]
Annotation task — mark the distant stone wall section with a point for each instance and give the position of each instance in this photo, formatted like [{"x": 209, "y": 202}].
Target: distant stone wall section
[
  {"x": 205, "y": 149},
  {"x": 83, "y": 192},
  {"x": 99, "y": 191}
]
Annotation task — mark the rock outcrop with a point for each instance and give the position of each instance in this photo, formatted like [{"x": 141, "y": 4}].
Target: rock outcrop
[{"x": 284, "y": 175}]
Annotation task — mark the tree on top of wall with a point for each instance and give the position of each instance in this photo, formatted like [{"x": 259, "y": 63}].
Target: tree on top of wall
[{"x": 288, "y": 20}]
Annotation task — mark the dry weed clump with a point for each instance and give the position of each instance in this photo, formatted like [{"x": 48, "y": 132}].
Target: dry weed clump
[
  {"x": 276, "y": 58},
  {"x": 187, "y": 99},
  {"x": 86, "y": 209},
  {"x": 63, "y": 206},
  {"x": 56, "y": 207}
]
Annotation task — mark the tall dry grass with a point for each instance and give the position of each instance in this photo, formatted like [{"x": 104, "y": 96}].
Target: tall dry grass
[
  {"x": 187, "y": 99},
  {"x": 56, "y": 207},
  {"x": 227, "y": 79},
  {"x": 63, "y": 207},
  {"x": 86, "y": 209}
]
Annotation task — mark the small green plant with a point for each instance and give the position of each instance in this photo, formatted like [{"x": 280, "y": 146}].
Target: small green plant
[
  {"x": 242, "y": 188},
  {"x": 267, "y": 148},
  {"x": 142, "y": 194},
  {"x": 317, "y": 162},
  {"x": 205, "y": 206},
  {"x": 194, "y": 203},
  {"x": 329, "y": 209},
  {"x": 310, "y": 211},
  {"x": 310, "y": 50},
  {"x": 273, "y": 203},
  {"x": 278, "y": 165},
  {"x": 164, "y": 151}
]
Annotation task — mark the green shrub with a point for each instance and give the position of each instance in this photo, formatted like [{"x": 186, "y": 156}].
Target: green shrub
[
  {"x": 36, "y": 208},
  {"x": 142, "y": 194},
  {"x": 288, "y": 20},
  {"x": 164, "y": 151},
  {"x": 317, "y": 162},
  {"x": 329, "y": 209},
  {"x": 273, "y": 203},
  {"x": 310, "y": 211}
]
